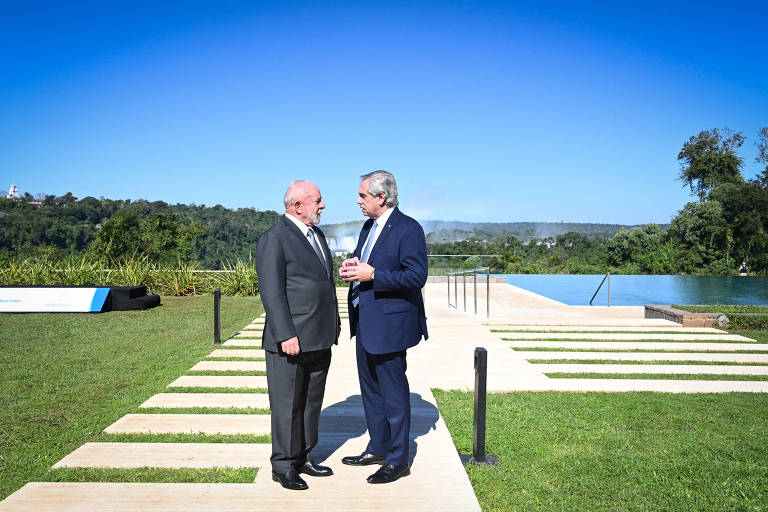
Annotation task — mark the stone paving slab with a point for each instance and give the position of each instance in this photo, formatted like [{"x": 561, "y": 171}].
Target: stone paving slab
[
  {"x": 254, "y": 327},
  {"x": 344, "y": 495},
  {"x": 597, "y": 328},
  {"x": 237, "y": 400},
  {"x": 220, "y": 366},
  {"x": 247, "y": 334},
  {"x": 258, "y": 424},
  {"x": 223, "y": 381},
  {"x": 701, "y": 369},
  {"x": 620, "y": 336},
  {"x": 646, "y": 356},
  {"x": 643, "y": 345},
  {"x": 232, "y": 353},
  {"x": 667, "y": 386},
  {"x": 168, "y": 455},
  {"x": 243, "y": 343}
]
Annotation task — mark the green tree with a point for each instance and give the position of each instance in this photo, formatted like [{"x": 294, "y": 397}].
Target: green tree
[
  {"x": 709, "y": 159},
  {"x": 762, "y": 156}
]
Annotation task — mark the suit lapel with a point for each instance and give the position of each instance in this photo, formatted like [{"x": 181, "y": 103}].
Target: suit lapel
[
  {"x": 385, "y": 230},
  {"x": 297, "y": 233},
  {"x": 362, "y": 237}
]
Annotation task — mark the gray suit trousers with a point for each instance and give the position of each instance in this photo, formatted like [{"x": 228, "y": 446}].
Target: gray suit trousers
[{"x": 296, "y": 389}]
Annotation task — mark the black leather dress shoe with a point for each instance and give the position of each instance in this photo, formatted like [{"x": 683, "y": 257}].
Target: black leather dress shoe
[
  {"x": 290, "y": 480},
  {"x": 312, "y": 469},
  {"x": 388, "y": 473},
  {"x": 364, "y": 459}
]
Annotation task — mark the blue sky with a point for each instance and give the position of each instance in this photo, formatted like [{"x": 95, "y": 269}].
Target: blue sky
[{"x": 484, "y": 111}]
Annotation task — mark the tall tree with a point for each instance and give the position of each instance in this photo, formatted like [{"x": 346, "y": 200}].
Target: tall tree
[
  {"x": 709, "y": 159},
  {"x": 762, "y": 157}
]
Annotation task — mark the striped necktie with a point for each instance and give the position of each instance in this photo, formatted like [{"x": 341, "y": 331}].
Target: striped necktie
[{"x": 355, "y": 292}]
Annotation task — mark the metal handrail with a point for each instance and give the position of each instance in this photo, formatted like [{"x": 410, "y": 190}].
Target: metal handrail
[
  {"x": 464, "y": 273},
  {"x": 607, "y": 276}
]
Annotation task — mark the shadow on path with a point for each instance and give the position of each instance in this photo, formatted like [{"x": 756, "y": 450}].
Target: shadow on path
[{"x": 345, "y": 420}]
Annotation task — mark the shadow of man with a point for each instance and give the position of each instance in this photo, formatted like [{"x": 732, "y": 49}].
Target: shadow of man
[{"x": 345, "y": 420}]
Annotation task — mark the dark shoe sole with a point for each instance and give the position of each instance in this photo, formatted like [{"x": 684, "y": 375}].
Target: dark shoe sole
[
  {"x": 369, "y": 462},
  {"x": 404, "y": 473},
  {"x": 330, "y": 473},
  {"x": 275, "y": 479}
]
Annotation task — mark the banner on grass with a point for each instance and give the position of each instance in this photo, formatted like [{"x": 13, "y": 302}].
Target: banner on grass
[{"x": 52, "y": 300}]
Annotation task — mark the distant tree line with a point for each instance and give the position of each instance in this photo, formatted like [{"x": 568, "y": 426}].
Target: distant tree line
[
  {"x": 116, "y": 230},
  {"x": 725, "y": 227}
]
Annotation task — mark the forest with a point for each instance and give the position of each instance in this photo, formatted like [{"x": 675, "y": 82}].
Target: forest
[{"x": 724, "y": 226}]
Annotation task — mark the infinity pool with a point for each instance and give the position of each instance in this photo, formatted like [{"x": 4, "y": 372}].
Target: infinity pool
[{"x": 635, "y": 290}]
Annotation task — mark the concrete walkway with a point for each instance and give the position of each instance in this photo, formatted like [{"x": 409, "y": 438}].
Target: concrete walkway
[{"x": 438, "y": 481}]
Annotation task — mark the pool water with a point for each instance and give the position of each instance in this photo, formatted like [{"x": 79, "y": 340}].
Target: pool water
[{"x": 637, "y": 290}]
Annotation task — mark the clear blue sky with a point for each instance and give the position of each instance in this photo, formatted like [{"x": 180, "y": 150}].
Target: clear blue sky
[{"x": 502, "y": 111}]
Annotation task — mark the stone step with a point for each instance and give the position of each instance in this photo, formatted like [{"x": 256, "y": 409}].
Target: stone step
[
  {"x": 237, "y": 400},
  {"x": 220, "y": 366},
  {"x": 224, "y": 381},
  {"x": 406, "y": 494},
  {"x": 662, "y": 386},
  {"x": 620, "y": 336},
  {"x": 228, "y": 353},
  {"x": 592, "y": 328},
  {"x": 248, "y": 334},
  {"x": 242, "y": 342},
  {"x": 191, "y": 424},
  {"x": 254, "y": 327},
  {"x": 701, "y": 369},
  {"x": 168, "y": 455},
  {"x": 642, "y": 345},
  {"x": 646, "y": 356}
]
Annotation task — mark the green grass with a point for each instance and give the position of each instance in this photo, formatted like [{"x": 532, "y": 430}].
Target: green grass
[
  {"x": 622, "y": 451},
  {"x": 65, "y": 377},
  {"x": 640, "y": 350},
  {"x": 233, "y": 359},
  {"x": 619, "y": 361},
  {"x": 182, "y": 438},
  {"x": 202, "y": 410},
  {"x": 725, "y": 309},
  {"x": 656, "y": 376},
  {"x": 161, "y": 475},
  {"x": 558, "y": 340},
  {"x": 196, "y": 389},
  {"x": 227, "y": 373}
]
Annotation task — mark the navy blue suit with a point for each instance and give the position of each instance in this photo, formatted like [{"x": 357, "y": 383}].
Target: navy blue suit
[{"x": 388, "y": 320}]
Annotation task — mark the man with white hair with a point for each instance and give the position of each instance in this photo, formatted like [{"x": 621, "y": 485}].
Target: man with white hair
[
  {"x": 386, "y": 314},
  {"x": 302, "y": 323}
]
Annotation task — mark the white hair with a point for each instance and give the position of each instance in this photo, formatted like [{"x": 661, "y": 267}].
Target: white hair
[
  {"x": 290, "y": 195},
  {"x": 382, "y": 181}
]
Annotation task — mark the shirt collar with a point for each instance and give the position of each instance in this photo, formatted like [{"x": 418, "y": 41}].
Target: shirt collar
[
  {"x": 384, "y": 217},
  {"x": 303, "y": 227}
]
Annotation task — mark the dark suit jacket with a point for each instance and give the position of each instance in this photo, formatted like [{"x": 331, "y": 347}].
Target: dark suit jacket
[
  {"x": 391, "y": 308},
  {"x": 297, "y": 290}
]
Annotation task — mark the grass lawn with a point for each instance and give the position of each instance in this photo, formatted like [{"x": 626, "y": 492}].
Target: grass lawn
[
  {"x": 617, "y": 451},
  {"x": 65, "y": 377}
]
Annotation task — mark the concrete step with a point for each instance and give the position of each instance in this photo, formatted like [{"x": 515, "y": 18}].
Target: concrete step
[
  {"x": 701, "y": 369},
  {"x": 406, "y": 494},
  {"x": 593, "y": 328},
  {"x": 224, "y": 381},
  {"x": 168, "y": 455},
  {"x": 248, "y": 334},
  {"x": 258, "y": 424},
  {"x": 237, "y": 400},
  {"x": 663, "y": 386},
  {"x": 220, "y": 366},
  {"x": 244, "y": 342},
  {"x": 646, "y": 356},
  {"x": 230, "y": 353},
  {"x": 621, "y": 336},
  {"x": 254, "y": 327},
  {"x": 642, "y": 345}
]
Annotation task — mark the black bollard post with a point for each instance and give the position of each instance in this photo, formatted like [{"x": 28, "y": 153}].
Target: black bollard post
[
  {"x": 481, "y": 378},
  {"x": 216, "y": 317}
]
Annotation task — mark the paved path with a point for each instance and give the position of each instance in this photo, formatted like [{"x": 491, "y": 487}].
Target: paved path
[{"x": 438, "y": 481}]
